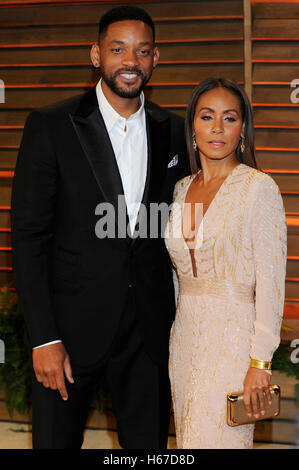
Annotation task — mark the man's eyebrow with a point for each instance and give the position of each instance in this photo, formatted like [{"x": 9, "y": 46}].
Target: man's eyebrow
[
  {"x": 224, "y": 112},
  {"x": 143, "y": 43},
  {"x": 114, "y": 41}
]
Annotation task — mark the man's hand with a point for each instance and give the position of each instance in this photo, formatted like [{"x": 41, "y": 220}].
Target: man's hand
[
  {"x": 256, "y": 383},
  {"x": 50, "y": 364}
]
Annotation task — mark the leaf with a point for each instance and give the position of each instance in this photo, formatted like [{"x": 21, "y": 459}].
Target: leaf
[{"x": 286, "y": 328}]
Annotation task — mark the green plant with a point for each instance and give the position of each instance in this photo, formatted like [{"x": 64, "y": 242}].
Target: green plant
[{"x": 15, "y": 373}]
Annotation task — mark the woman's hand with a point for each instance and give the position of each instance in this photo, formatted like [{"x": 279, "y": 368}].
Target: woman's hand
[{"x": 256, "y": 382}]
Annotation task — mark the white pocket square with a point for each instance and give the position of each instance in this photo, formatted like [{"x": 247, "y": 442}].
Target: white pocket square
[{"x": 174, "y": 161}]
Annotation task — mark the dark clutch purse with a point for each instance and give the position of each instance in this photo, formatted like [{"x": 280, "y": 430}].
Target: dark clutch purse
[{"x": 236, "y": 413}]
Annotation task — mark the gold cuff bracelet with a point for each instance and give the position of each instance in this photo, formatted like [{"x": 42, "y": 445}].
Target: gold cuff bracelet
[{"x": 265, "y": 365}]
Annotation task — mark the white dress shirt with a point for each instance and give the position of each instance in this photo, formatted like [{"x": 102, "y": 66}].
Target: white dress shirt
[{"x": 129, "y": 142}]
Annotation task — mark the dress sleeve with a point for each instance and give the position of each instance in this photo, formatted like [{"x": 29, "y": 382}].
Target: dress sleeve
[
  {"x": 269, "y": 242},
  {"x": 176, "y": 190}
]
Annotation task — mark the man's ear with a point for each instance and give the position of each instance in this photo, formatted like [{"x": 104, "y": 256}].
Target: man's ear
[
  {"x": 156, "y": 57},
  {"x": 95, "y": 55}
]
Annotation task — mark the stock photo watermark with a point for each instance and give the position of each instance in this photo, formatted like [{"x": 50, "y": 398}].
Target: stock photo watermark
[
  {"x": 149, "y": 221},
  {"x": 2, "y": 351},
  {"x": 294, "y": 97},
  {"x": 2, "y": 91},
  {"x": 295, "y": 354}
]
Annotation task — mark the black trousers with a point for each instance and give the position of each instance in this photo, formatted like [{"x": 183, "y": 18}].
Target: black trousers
[{"x": 140, "y": 393}]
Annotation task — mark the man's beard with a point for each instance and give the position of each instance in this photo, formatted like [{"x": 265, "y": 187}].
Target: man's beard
[{"x": 110, "y": 81}]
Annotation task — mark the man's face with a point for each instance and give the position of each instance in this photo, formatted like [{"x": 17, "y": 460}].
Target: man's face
[{"x": 127, "y": 57}]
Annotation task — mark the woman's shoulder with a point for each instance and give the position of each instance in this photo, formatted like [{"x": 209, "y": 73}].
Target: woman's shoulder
[
  {"x": 259, "y": 178},
  {"x": 260, "y": 186},
  {"x": 182, "y": 183}
]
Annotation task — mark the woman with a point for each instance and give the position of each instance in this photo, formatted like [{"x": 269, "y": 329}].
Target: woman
[{"x": 227, "y": 240}]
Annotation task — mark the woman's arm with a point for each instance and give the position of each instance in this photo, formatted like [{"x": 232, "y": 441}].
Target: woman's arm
[{"x": 269, "y": 244}]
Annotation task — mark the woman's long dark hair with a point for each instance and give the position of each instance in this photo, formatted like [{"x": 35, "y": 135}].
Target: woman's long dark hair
[{"x": 248, "y": 156}]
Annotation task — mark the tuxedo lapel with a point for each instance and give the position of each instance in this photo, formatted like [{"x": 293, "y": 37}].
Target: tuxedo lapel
[
  {"x": 94, "y": 139},
  {"x": 158, "y": 138},
  {"x": 93, "y": 136}
]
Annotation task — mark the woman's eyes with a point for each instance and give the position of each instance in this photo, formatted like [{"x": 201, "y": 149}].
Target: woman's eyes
[{"x": 227, "y": 118}]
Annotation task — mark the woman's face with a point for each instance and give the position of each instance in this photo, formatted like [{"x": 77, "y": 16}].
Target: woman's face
[{"x": 218, "y": 124}]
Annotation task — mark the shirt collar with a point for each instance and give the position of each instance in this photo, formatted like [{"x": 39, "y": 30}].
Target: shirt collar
[{"x": 110, "y": 116}]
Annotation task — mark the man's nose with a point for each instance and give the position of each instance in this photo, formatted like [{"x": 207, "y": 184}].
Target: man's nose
[{"x": 130, "y": 58}]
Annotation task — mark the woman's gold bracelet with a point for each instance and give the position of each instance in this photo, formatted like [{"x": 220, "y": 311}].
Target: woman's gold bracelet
[{"x": 265, "y": 365}]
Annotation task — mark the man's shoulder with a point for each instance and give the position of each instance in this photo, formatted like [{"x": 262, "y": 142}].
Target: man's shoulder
[
  {"x": 161, "y": 114},
  {"x": 60, "y": 108}
]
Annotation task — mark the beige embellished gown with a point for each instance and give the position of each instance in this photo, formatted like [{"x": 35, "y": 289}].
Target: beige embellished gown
[{"x": 233, "y": 308}]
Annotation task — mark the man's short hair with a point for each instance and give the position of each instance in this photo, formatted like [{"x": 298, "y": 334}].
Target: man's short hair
[{"x": 124, "y": 13}]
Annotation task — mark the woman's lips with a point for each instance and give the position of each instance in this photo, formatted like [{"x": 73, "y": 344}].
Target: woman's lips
[{"x": 217, "y": 143}]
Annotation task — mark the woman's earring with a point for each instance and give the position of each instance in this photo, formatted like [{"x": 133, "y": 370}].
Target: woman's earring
[
  {"x": 242, "y": 147},
  {"x": 194, "y": 142}
]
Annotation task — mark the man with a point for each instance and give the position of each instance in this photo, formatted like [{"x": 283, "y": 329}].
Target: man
[{"x": 96, "y": 303}]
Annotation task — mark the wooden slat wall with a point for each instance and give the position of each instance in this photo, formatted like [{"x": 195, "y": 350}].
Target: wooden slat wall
[
  {"x": 44, "y": 57},
  {"x": 275, "y": 62}
]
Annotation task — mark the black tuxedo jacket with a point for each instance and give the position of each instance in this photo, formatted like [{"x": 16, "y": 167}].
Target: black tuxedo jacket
[{"x": 71, "y": 284}]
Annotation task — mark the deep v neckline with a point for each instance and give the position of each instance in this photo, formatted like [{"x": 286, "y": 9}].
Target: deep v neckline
[{"x": 211, "y": 203}]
